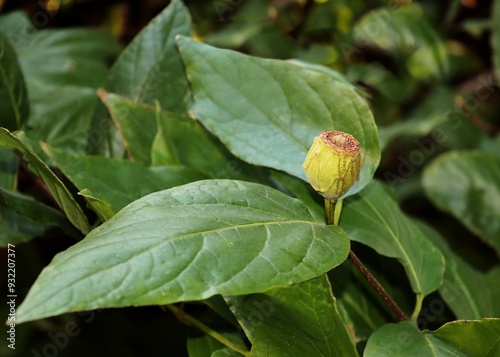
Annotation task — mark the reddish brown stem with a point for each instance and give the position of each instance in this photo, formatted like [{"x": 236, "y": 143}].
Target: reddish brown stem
[{"x": 401, "y": 316}]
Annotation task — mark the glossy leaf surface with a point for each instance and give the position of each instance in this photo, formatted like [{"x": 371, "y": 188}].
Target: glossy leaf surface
[
  {"x": 478, "y": 338},
  {"x": 189, "y": 243},
  {"x": 119, "y": 182},
  {"x": 462, "y": 281},
  {"x": 300, "y": 320},
  {"x": 274, "y": 125},
  {"x": 14, "y": 104},
  {"x": 467, "y": 185},
  {"x": 374, "y": 218}
]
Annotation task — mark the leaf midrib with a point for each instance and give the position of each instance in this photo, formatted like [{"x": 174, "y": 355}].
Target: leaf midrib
[
  {"x": 187, "y": 235},
  {"x": 91, "y": 274},
  {"x": 401, "y": 249}
]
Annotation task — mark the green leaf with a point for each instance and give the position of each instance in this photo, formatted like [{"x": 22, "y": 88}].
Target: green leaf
[
  {"x": 62, "y": 118},
  {"x": 17, "y": 27},
  {"x": 475, "y": 338},
  {"x": 304, "y": 192},
  {"x": 495, "y": 35},
  {"x": 163, "y": 151},
  {"x": 74, "y": 57},
  {"x": 364, "y": 313},
  {"x": 299, "y": 320},
  {"x": 146, "y": 133},
  {"x": 61, "y": 194},
  {"x": 434, "y": 117},
  {"x": 133, "y": 122},
  {"x": 405, "y": 32},
  {"x": 150, "y": 68},
  {"x": 467, "y": 185},
  {"x": 374, "y": 219},
  {"x": 234, "y": 35},
  {"x": 225, "y": 352},
  {"x": 118, "y": 182},
  {"x": 99, "y": 206},
  {"x": 383, "y": 80},
  {"x": 457, "y": 339},
  {"x": 462, "y": 282},
  {"x": 14, "y": 104},
  {"x": 8, "y": 169},
  {"x": 188, "y": 243},
  {"x": 267, "y": 112},
  {"x": 136, "y": 123},
  {"x": 202, "y": 346},
  {"x": 206, "y": 346},
  {"x": 412, "y": 127},
  {"x": 490, "y": 144},
  {"x": 36, "y": 211},
  {"x": 16, "y": 229}
]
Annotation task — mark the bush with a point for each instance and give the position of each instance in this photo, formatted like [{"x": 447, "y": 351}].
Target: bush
[{"x": 169, "y": 174}]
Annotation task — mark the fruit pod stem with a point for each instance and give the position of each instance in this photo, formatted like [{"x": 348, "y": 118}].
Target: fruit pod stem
[
  {"x": 332, "y": 210},
  {"x": 396, "y": 310}
]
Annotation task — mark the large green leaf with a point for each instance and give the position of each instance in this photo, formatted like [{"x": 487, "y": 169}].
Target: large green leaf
[
  {"x": 374, "y": 218},
  {"x": 462, "y": 283},
  {"x": 455, "y": 339},
  {"x": 61, "y": 194},
  {"x": 467, "y": 185},
  {"x": 189, "y": 243},
  {"x": 267, "y": 112},
  {"x": 119, "y": 182},
  {"x": 14, "y": 104},
  {"x": 150, "y": 69},
  {"x": 299, "y": 320}
]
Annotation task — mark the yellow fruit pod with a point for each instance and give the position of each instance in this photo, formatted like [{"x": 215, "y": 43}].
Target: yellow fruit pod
[{"x": 333, "y": 163}]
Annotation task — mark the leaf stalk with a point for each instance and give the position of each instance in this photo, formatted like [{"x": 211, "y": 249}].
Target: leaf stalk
[{"x": 189, "y": 320}]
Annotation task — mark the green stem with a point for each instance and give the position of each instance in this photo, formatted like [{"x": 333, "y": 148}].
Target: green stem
[
  {"x": 336, "y": 212},
  {"x": 330, "y": 206},
  {"x": 418, "y": 307},
  {"x": 333, "y": 211},
  {"x": 191, "y": 321}
]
